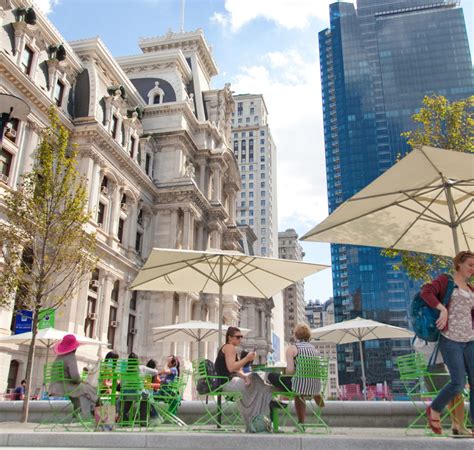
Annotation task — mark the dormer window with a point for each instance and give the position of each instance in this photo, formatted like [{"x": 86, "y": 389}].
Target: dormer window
[{"x": 156, "y": 95}]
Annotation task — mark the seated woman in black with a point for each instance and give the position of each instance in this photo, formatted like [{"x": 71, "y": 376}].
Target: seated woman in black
[{"x": 256, "y": 395}]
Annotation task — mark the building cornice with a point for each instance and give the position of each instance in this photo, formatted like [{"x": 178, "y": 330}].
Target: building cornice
[
  {"x": 193, "y": 40},
  {"x": 29, "y": 89},
  {"x": 50, "y": 33},
  {"x": 96, "y": 136},
  {"x": 149, "y": 62}
]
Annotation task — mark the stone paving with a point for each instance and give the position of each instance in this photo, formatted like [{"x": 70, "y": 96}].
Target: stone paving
[{"x": 16, "y": 435}]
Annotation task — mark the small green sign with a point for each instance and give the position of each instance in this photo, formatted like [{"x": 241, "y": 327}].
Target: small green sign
[{"x": 46, "y": 318}]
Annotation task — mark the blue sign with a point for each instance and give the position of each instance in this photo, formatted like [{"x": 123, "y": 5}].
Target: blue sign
[{"x": 23, "y": 321}]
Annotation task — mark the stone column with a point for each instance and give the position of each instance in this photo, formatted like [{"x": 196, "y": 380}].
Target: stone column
[
  {"x": 132, "y": 228},
  {"x": 155, "y": 163},
  {"x": 216, "y": 189},
  {"x": 114, "y": 212},
  {"x": 104, "y": 306},
  {"x": 174, "y": 228},
  {"x": 96, "y": 177},
  {"x": 200, "y": 237},
  {"x": 231, "y": 207},
  {"x": 202, "y": 176},
  {"x": 188, "y": 231}
]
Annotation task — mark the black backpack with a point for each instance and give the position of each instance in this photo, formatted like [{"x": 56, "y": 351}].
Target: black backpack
[
  {"x": 424, "y": 318},
  {"x": 208, "y": 383}
]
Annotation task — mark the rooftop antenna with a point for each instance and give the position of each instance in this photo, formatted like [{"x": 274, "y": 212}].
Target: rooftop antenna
[{"x": 182, "y": 16}]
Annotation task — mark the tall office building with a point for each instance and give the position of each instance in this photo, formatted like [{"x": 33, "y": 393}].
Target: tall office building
[
  {"x": 256, "y": 205},
  {"x": 256, "y": 154},
  {"x": 378, "y": 59},
  {"x": 293, "y": 295}
]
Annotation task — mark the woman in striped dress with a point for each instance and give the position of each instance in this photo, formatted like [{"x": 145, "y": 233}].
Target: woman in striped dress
[{"x": 307, "y": 387}]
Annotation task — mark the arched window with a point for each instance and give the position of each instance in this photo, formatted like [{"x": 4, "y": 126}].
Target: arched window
[{"x": 13, "y": 374}]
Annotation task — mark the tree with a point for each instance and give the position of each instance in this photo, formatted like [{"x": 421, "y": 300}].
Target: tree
[
  {"x": 441, "y": 124},
  {"x": 46, "y": 248}
]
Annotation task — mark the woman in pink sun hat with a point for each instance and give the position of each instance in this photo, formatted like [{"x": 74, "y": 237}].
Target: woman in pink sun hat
[{"x": 82, "y": 395}]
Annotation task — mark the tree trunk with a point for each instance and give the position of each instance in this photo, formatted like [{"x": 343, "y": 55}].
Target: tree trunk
[{"x": 29, "y": 368}]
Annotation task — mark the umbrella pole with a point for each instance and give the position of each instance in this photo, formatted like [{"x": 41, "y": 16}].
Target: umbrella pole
[
  {"x": 221, "y": 306},
  {"x": 364, "y": 386},
  {"x": 452, "y": 217}
]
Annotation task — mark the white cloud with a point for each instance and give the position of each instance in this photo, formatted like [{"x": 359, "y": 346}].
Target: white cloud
[
  {"x": 290, "y": 14},
  {"x": 46, "y": 5},
  {"x": 288, "y": 82}
]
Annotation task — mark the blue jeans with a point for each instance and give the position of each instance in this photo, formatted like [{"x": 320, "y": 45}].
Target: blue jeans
[{"x": 459, "y": 358}]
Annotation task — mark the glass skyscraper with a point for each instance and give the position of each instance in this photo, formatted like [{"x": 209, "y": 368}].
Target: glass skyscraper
[{"x": 378, "y": 60}]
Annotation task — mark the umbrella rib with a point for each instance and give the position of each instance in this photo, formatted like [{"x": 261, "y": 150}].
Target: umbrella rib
[
  {"x": 381, "y": 208},
  {"x": 244, "y": 275},
  {"x": 412, "y": 224},
  {"x": 212, "y": 276},
  {"x": 165, "y": 275},
  {"x": 268, "y": 272}
]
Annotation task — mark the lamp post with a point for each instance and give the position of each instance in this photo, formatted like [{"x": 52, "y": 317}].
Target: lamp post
[{"x": 11, "y": 107}]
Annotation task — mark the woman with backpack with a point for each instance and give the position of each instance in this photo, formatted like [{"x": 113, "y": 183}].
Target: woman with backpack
[
  {"x": 456, "y": 342},
  {"x": 256, "y": 395}
]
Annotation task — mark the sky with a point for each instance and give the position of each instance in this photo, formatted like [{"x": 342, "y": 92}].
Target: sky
[{"x": 267, "y": 47}]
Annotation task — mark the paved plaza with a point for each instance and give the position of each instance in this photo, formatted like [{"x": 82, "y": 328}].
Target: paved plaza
[{"x": 16, "y": 435}]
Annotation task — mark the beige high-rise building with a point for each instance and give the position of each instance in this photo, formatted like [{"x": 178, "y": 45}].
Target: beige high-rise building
[
  {"x": 293, "y": 295},
  {"x": 256, "y": 205},
  {"x": 255, "y": 152},
  {"x": 154, "y": 145}
]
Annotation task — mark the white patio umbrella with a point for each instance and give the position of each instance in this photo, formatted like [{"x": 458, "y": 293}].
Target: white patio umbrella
[
  {"x": 219, "y": 272},
  {"x": 192, "y": 331},
  {"x": 423, "y": 203},
  {"x": 358, "y": 330},
  {"x": 46, "y": 337}
]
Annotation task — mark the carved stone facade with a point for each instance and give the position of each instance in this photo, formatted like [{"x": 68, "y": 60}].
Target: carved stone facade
[
  {"x": 153, "y": 141},
  {"x": 293, "y": 295}
]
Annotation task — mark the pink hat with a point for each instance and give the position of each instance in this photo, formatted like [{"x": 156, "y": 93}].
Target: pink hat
[{"x": 66, "y": 345}]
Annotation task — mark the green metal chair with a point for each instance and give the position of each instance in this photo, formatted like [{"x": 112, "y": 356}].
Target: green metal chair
[
  {"x": 133, "y": 406},
  {"x": 108, "y": 393},
  {"x": 167, "y": 400},
  {"x": 313, "y": 369},
  {"x": 420, "y": 387},
  {"x": 53, "y": 372},
  {"x": 222, "y": 412}
]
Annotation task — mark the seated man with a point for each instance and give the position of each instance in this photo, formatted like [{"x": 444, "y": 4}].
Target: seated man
[
  {"x": 305, "y": 387},
  {"x": 19, "y": 392}
]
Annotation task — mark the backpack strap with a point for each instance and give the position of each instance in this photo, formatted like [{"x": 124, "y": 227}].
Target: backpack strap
[{"x": 449, "y": 291}]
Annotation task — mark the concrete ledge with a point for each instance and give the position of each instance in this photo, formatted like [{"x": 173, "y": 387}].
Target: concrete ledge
[
  {"x": 341, "y": 439},
  {"x": 336, "y": 413}
]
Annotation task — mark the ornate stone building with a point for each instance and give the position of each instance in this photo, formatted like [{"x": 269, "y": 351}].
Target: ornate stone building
[
  {"x": 154, "y": 145},
  {"x": 293, "y": 295}
]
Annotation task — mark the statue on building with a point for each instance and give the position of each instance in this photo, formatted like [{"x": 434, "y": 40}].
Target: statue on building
[{"x": 190, "y": 171}]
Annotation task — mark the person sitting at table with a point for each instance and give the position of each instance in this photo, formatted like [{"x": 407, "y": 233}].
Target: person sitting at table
[
  {"x": 256, "y": 395},
  {"x": 129, "y": 397},
  {"x": 82, "y": 395},
  {"x": 170, "y": 371},
  {"x": 288, "y": 382},
  {"x": 19, "y": 392}
]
